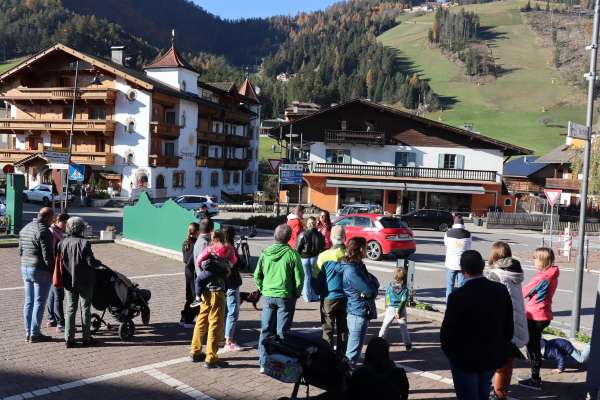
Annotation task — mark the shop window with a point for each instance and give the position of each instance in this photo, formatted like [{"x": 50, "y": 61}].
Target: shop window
[
  {"x": 198, "y": 179},
  {"x": 451, "y": 161},
  {"x": 406, "y": 159},
  {"x": 236, "y": 178},
  {"x": 178, "y": 179},
  {"x": 214, "y": 179},
  {"x": 160, "y": 181},
  {"x": 226, "y": 177},
  {"x": 338, "y": 156}
]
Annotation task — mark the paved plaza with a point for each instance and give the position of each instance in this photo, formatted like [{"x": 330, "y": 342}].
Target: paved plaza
[{"x": 154, "y": 364}]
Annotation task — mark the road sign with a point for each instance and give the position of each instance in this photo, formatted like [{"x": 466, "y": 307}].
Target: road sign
[
  {"x": 56, "y": 157},
  {"x": 76, "y": 172},
  {"x": 291, "y": 174},
  {"x": 578, "y": 131},
  {"x": 552, "y": 195},
  {"x": 8, "y": 169},
  {"x": 274, "y": 163}
]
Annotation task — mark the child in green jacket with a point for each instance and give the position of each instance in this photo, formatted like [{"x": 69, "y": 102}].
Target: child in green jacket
[{"x": 396, "y": 297}]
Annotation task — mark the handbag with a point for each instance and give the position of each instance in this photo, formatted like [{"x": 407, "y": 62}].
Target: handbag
[{"x": 57, "y": 275}]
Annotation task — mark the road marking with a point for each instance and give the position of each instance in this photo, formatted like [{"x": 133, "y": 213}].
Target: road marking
[
  {"x": 177, "y": 385},
  {"x": 130, "y": 277}
]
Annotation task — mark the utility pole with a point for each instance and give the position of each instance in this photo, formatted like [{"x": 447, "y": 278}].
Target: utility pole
[
  {"x": 591, "y": 77},
  {"x": 71, "y": 133}
]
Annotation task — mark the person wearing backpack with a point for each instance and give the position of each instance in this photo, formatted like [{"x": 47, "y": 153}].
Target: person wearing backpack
[{"x": 310, "y": 244}]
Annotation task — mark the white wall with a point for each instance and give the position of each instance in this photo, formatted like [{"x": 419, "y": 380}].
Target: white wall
[
  {"x": 427, "y": 157},
  {"x": 175, "y": 77}
]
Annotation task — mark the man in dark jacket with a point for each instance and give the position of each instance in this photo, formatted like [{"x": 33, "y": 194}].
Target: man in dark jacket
[
  {"x": 310, "y": 244},
  {"x": 477, "y": 329},
  {"x": 37, "y": 262}
]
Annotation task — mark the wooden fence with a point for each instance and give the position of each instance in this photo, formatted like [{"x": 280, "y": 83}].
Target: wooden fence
[
  {"x": 559, "y": 227},
  {"x": 517, "y": 220}
]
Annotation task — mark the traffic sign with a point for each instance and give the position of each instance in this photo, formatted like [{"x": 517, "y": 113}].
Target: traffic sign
[
  {"x": 552, "y": 195},
  {"x": 291, "y": 174},
  {"x": 8, "y": 169},
  {"x": 274, "y": 163},
  {"x": 578, "y": 131},
  {"x": 76, "y": 172}
]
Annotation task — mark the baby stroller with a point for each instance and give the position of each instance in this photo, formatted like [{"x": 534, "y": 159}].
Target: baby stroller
[
  {"x": 303, "y": 358},
  {"x": 123, "y": 300}
]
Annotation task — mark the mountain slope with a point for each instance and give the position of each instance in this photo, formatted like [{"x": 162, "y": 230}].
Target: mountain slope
[{"x": 528, "y": 104}]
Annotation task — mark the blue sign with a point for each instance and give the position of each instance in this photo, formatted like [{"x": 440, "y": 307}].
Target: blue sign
[
  {"x": 290, "y": 177},
  {"x": 76, "y": 172}
]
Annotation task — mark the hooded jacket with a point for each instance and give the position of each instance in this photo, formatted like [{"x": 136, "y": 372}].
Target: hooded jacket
[
  {"x": 539, "y": 293},
  {"x": 279, "y": 272},
  {"x": 310, "y": 243},
  {"x": 296, "y": 224},
  {"x": 508, "y": 272},
  {"x": 328, "y": 276},
  {"x": 457, "y": 240}
]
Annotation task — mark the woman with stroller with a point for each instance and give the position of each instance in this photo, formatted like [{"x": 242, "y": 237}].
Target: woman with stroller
[
  {"x": 233, "y": 281},
  {"x": 78, "y": 278},
  {"x": 188, "y": 314},
  {"x": 56, "y": 313}
]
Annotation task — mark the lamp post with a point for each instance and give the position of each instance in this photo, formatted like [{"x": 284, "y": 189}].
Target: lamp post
[{"x": 591, "y": 77}]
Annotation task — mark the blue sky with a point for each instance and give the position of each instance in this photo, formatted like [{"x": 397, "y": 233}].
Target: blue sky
[{"x": 234, "y": 9}]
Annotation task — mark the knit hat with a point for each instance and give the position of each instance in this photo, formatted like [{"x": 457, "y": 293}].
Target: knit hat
[{"x": 338, "y": 235}]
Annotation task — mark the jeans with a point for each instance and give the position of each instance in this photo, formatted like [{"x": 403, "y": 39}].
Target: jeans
[
  {"x": 201, "y": 281},
  {"x": 55, "y": 309},
  {"x": 471, "y": 385},
  {"x": 582, "y": 356},
  {"x": 454, "y": 279},
  {"x": 276, "y": 320},
  {"x": 37, "y": 282},
  {"x": 233, "y": 312},
  {"x": 388, "y": 318},
  {"x": 334, "y": 316},
  {"x": 209, "y": 321},
  {"x": 308, "y": 293},
  {"x": 357, "y": 330},
  {"x": 73, "y": 296}
]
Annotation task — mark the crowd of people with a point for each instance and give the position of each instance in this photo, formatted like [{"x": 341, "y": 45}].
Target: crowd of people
[{"x": 490, "y": 314}]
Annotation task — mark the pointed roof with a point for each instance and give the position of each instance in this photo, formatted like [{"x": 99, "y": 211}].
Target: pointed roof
[
  {"x": 247, "y": 89},
  {"x": 171, "y": 59}
]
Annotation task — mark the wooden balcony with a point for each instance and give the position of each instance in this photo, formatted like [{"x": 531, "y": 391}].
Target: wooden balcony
[
  {"x": 401, "y": 172},
  {"x": 572, "y": 185},
  {"x": 208, "y": 162},
  {"x": 210, "y": 137},
  {"x": 61, "y": 94},
  {"x": 85, "y": 158},
  {"x": 156, "y": 160},
  {"x": 355, "y": 137},
  {"x": 523, "y": 187},
  {"x": 164, "y": 130},
  {"x": 104, "y": 126},
  {"x": 234, "y": 163},
  {"x": 235, "y": 140}
]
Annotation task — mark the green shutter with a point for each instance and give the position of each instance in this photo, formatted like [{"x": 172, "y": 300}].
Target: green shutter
[
  {"x": 460, "y": 161},
  {"x": 328, "y": 156},
  {"x": 440, "y": 160}
]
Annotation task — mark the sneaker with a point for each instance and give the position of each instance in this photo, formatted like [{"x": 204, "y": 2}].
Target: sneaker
[
  {"x": 216, "y": 364},
  {"x": 27, "y": 338},
  {"x": 51, "y": 324},
  {"x": 531, "y": 383},
  {"x": 262, "y": 370},
  {"x": 232, "y": 347},
  {"x": 196, "y": 358},
  {"x": 196, "y": 303},
  {"x": 60, "y": 329},
  {"x": 39, "y": 338},
  {"x": 408, "y": 347}
]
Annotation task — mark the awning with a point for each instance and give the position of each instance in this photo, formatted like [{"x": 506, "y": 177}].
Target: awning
[{"x": 414, "y": 187}]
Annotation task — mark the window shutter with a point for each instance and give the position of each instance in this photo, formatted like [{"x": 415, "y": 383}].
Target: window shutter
[
  {"x": 460, "y": 161},
  {"x": 441, "y": 160},
  {"x": 347, "y": 157},
  {"x": 412, "y": 159},
  {"x": 328, "y": 156},
  {"x": 397, "y": 162}
]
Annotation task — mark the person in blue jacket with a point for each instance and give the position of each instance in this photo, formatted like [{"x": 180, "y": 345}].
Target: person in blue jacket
[
  {"x": 561, "y": 350},
  {"x": 361, "y": 289}
]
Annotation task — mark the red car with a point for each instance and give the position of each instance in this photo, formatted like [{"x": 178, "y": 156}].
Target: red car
[{"x": 384, "y": 234}]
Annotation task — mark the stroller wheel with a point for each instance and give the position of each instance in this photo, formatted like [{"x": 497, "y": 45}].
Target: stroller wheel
[
  {"x": 145, "y": 315},
  {"x": 96, "y": 323},
  {"x": 126, "y": 330}
]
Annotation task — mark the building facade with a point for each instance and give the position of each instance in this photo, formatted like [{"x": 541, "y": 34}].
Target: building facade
[
  {"x": 363, "y": 152},
  {"x": 157, "y": 130}
]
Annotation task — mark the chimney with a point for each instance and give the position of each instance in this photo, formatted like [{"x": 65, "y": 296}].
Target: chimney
[{"x": 117, "y": 54}]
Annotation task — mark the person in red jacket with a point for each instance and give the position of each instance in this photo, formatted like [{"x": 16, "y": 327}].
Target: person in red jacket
[
  {"x": 294, "y": 221},
  {"x": 538, "y": 295}
]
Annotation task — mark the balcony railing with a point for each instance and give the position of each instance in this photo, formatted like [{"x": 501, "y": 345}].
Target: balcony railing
[
  {"x": 156, "y": 160},
  {"x": 211, "y": 137},
  {"x": 401, "y": 172},
  {"x": 104, "y": 126},
  {"x": 210, "y": 162},
  {"x": 523, "y": 186},
  {"x": 565, "y": 184},
  {"x": 235, "y": 140},
  {"x": 164, "y": 130},
  {"x": 86, "y": 158},
  {"x": 355, "y": 137},
  {"x": 61, "y": 94}
]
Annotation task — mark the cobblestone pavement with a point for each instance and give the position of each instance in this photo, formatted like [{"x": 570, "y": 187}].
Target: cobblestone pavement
[{"x": 154, "y": 365}]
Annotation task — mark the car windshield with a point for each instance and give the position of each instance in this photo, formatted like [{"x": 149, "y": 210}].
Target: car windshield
[{"x": 389, "y": 222}]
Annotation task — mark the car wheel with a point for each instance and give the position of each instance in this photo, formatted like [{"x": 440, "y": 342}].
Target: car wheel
[
  {"x": 25, "y": 199},
  {"x": 374, "y": 251},
  {"x": 46, "y": 201},
  {"x": 443, "y": 227}
]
